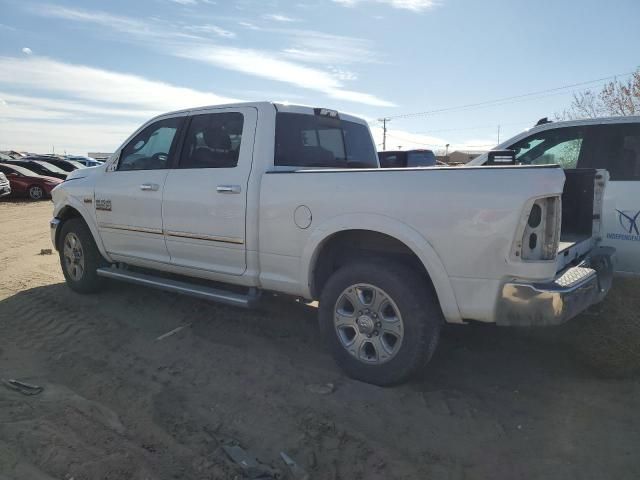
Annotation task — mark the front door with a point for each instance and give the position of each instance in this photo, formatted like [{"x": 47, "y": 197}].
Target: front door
[
  {"x": 128, "y": 199},
  {"x": 205, "y": 196},
  {"x": 616, "y": 148}
]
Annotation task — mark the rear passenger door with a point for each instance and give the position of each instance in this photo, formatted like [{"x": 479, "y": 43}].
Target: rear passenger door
[
  {"x": 616, "y": 148},
  {"x": 205, "y": 196}
]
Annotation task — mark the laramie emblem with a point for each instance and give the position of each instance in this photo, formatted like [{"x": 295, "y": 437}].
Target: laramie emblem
[{"x": 103, "y": 204}]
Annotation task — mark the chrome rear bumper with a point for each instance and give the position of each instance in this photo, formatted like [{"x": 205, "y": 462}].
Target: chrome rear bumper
[{"x": 570, "y": 293}]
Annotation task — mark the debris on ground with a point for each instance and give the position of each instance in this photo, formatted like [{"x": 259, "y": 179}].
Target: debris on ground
[
  {"x": 297, "y": 472},
  {"x": 249, "y": 464},
  {"x": 321, "y": 388},
  {"x": 172, "y": 332},
  {"x": 46, "y": 251},
  {"x": 22, "y": 387}
]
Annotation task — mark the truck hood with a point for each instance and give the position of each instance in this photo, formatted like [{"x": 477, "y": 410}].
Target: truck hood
[{"x": 85, "y": 172}]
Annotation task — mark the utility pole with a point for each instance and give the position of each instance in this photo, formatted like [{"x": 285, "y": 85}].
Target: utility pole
[
  {"x": 498, "y": 134},
  {"x": 384, "y": 121}
]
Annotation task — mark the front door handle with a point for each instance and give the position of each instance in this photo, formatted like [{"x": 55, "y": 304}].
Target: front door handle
[
  {"x": 228, "y": 189},
  {"x": 153, "y": 187}
]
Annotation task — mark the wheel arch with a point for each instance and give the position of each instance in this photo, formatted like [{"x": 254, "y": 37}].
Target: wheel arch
[
  {"x": 379, "y": 236},
  {"x": 75, "y": 210}
]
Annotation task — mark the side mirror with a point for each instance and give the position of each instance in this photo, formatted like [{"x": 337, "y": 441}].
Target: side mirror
[
  {"x": 112, "y": 162},
  {"x": 501, "y": 157}
]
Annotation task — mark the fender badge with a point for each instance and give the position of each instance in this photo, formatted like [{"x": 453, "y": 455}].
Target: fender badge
[{"x": 103, "y": 204}]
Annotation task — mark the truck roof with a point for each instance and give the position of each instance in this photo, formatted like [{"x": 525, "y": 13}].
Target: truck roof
[{"x": 280, "y": 107}]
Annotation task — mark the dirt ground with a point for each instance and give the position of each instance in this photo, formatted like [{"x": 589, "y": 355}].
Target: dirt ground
[{"x": 119, "y": 404}]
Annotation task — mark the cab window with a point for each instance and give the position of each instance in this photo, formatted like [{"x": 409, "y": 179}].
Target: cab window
[
  {"x": 318, "y": 141},
  {"x": 213, "y": 141},
  {"x": 560, "y": 146},
  {"x": 152, "y": 148},
  {"x": 617, "y": 149}
]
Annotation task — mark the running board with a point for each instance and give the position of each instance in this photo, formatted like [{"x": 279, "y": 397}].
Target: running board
[{"x": 184, "y": 288}]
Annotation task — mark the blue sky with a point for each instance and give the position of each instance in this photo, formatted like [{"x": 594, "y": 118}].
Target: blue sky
[{"x": 81, "y": 75}]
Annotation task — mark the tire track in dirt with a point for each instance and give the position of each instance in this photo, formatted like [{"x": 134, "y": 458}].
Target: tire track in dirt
[{"x": 37, "y": 321}]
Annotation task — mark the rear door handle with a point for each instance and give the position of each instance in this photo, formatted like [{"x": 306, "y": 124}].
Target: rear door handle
[
  {"x": 153, "y": 187},
  {"x": 228, "y": 189}
]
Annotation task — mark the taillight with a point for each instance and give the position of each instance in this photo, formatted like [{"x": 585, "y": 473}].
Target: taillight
[{"x": 542, "y": 230}]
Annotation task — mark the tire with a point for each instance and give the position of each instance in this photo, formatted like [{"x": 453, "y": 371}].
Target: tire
[
  {"x": 399, "y": 294},
  {"x": 80, "y": 257},
  {"x": 36, "y": 192}
]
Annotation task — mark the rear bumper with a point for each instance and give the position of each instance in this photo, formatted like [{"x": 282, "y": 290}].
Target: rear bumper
[
  {"x": 53, "y": 228},
  {"x": 553, "y": 303}
]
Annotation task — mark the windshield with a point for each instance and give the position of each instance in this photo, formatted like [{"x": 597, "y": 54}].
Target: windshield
[
  {"x": 49, "y": 166},
  {"x": 317, "y": 141},
  {"x": 425, "y": 158}
]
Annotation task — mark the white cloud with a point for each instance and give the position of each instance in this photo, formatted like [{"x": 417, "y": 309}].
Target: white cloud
[
  {"x": 275, "y": 66},
  {"x": 249, "y": 25},
  {"x": 413, "y": 5},
  {"x": 278, "y": 17},
  {"x": 27, "y": 51},
  {"x": 207, "y": 28},
  {"x": 266, "y": 65},
  {"x": 81, "y": 108},
  {"x": 103, "y": 86},
  {"x": 324, "y": 48}
]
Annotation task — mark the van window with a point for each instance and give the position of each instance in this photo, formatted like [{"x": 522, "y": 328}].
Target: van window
[
  {"x": 562, "y": 146},
  {"x": 617, "y": 149},
  {"x": 316, "y": 141}
]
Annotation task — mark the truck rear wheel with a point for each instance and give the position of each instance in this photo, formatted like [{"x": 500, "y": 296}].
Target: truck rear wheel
[
  {"x": 381, "y": 320},
  {"x": 80, "y": 257}
]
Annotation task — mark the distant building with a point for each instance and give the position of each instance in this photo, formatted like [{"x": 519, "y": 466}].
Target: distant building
[
  {"x": 99, "y": 155},
  {"x": 460, "y": 156}
]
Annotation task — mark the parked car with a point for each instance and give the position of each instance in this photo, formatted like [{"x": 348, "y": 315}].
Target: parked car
[
  {"x": 5, "y": 186},
  {"x": 40, "y": 167},
  {"x": 86, "y": 161},
  {"x": 25, "y": 182},
  {"x": 61, "y": 163},
  {"x": 609, "y": 143},
  {"x": 407, "y": 158},
  {"x": 268, "y": 197}
]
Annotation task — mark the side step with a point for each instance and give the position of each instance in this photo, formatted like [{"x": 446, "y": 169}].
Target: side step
[{"x": 185, "y": 288}]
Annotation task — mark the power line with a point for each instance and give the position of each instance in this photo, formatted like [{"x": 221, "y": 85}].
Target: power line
[
  {"x": 504, "y": 100},
  {"x": 436, "y": 144}
]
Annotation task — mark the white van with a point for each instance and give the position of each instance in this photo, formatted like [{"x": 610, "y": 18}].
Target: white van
[{"x": 606, "y": 143}]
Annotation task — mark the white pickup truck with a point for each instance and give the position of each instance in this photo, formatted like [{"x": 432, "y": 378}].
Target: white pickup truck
[{"x": 228, "y": 202}]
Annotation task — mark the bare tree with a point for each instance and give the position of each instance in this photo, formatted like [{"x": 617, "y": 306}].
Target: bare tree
[{"x": 616, "y": 98}]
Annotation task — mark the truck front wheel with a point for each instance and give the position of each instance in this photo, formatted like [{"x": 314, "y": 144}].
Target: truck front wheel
[
  {"x": 80, "y": 257},
  {"x": 381, "y": 320}
]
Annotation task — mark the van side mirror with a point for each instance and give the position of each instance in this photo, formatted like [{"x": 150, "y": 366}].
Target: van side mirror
[{"x": 501, "y": 157}]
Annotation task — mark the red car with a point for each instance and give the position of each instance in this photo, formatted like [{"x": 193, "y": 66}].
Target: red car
[{"x": 27, "y": 183}]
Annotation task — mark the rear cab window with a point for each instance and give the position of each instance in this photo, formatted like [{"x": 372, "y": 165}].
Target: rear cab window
[{"x": 321, "y": 141}]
